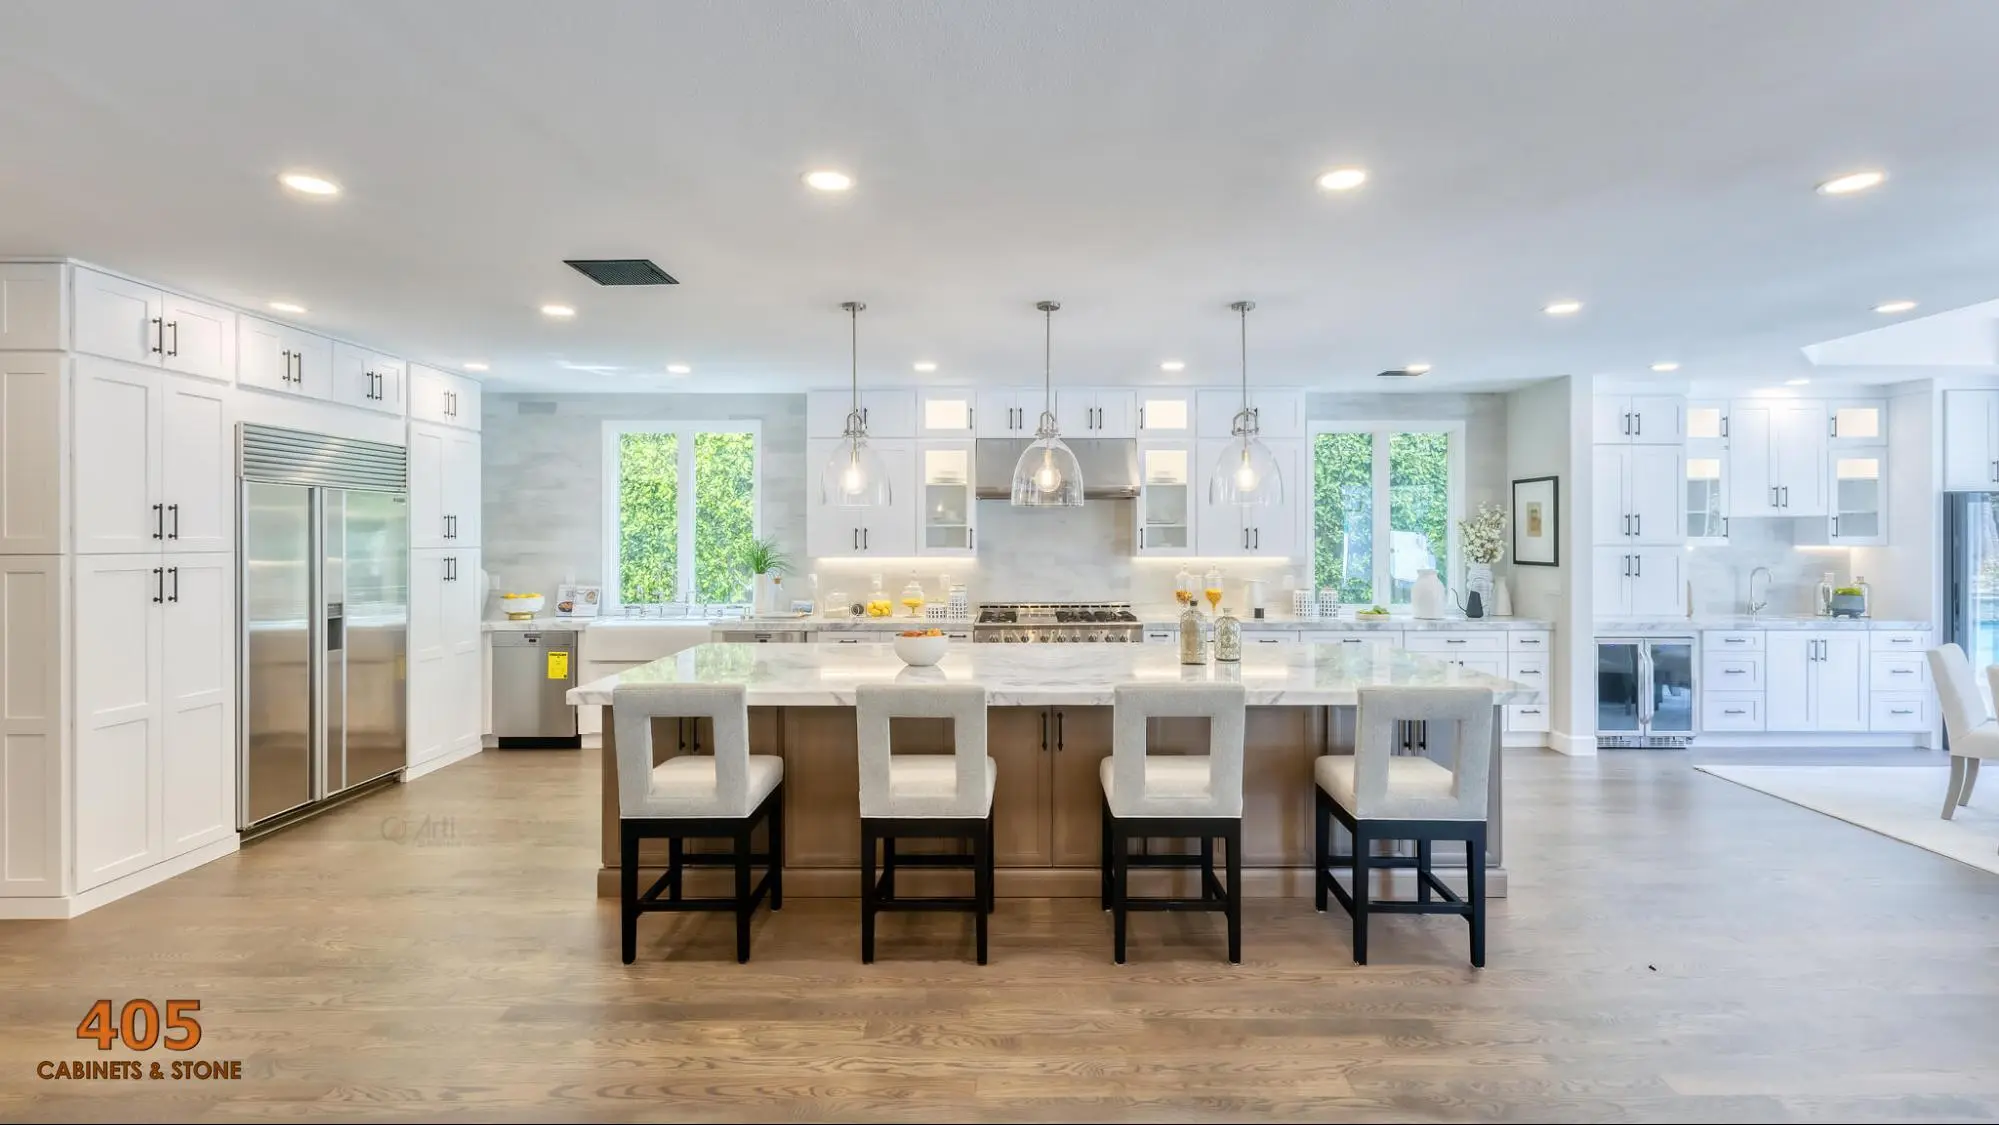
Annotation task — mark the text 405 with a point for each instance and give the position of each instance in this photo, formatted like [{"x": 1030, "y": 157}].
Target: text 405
[{"x": 139, "y": 1025}]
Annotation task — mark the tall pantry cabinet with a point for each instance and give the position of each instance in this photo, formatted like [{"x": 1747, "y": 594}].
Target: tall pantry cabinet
[{"x": 446, "y": 656}]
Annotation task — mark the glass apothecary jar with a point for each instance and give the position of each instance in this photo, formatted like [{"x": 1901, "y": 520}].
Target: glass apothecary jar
[{"x": 1228, "y": 638}]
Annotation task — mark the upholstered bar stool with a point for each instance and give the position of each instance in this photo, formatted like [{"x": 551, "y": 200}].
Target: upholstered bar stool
[
  {"x": 1149, "y": 796},
  {"x": 924, "y": 796},
  {"x": 1380, "y": 795},
  {"x": 695, "y": 797},
  {"x": 1973, "y": 734}
]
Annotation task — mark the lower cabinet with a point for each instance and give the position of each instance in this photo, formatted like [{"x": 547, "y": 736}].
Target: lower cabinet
[
  {"x": 445, "y": 655},
  {"x": 1816, "y": 680},
  {"x": 155, "y": 709}
]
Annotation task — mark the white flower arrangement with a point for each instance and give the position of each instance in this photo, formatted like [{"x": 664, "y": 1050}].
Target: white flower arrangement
[{"x": 1484, "y": 535}]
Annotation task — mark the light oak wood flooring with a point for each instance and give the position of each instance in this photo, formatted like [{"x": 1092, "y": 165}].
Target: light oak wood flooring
[{"x": 1675, "y": 948}]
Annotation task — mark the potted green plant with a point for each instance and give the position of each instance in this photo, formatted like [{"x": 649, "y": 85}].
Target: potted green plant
[{"x": 767, "y": 565}]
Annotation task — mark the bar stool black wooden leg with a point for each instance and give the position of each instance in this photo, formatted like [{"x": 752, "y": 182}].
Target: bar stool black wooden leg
[
  {"x": 774, "y": 832},
  {"x": 744, "y": 903},
  {"x": 1322, "y": 849},
  {"x": 1208, "y": 868},
  {"x": 1361, "y": 846},
  {"x": 992, "y": 863},
  {"x": 887, "y": 892},
  {"x": 628, "y": 890},
  {"x": 1120, "y": 871},
  {"x": 1104, "y": 854},
  {"x": 1234, "y": 844},
  {"x": 1475, "y": 890},
  {"x": 867, "y": 893},
  {"x": 674, "y": 868},
  {"x": 1422, "y": 871},
  {"x": 982, "y": 878}
]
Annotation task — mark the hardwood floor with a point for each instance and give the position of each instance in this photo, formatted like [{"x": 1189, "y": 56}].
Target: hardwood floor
[{"x": 1674, "y": 948}]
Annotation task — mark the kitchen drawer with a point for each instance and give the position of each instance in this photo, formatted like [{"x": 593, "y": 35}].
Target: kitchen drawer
[
  {"x": 1748, "y": 640},
  {"x": 1900, "y": 712},
  {"x": 1898, "y": 640},
  {"x": 1521, "y": 640},
  {"x": 1724, "y": 710},
  {"x": 1726, "y": 671},
  {"x": 1162, "y": 637},
  {"x": 1897, "y": 672},
  {"x": 1529, "y": 668},
  {"x": 1454, "y": 643},
  {"x": 1388, "y": 638},
  {"x": 1524, "y": 717},
  {"x": 1250, "y": 639}
]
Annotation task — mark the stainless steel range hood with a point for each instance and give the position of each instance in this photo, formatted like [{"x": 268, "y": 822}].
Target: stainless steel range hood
[{"x": 1110, "y": 466}]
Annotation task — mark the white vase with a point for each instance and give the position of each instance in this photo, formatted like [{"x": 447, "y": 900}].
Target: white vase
[
  {"x": 768, "y": 591},
  {"x": 1426, "y": 599},
  {"x": 1502, "y": 599},
  {"x": 1478, "y": 576}
]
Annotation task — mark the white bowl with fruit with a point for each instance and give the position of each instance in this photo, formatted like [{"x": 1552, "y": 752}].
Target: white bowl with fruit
[
  {"x": 522, "y": 607},
  {"x": 920, "y": 648}
]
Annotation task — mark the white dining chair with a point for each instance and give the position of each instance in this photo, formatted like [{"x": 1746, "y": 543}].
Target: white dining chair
[{"x": 1972, "y": 733}]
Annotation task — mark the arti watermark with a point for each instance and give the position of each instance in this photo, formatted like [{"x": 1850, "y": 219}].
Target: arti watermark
[{"x": 421, "y": 831}]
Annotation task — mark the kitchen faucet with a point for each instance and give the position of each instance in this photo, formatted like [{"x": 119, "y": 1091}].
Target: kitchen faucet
[{"x": 1756, "y": 607}]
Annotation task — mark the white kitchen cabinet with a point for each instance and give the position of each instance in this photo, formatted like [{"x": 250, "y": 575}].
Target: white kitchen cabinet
[
  {"x": 32, "y": 422},
  {"x": 1707, "y": 420},
  {"x": 1858, "y": 491},
  {"x": 1777, "y": 458},
  {"x": 1085, "y": 412},
  {"x": 1638, "y": 494},
  {"x": 153, "y": 461},
  {"x": 948, "y": 514},
  {"x": 1272, "y": 531},
  {"x": 1279, "y": 413},
  {"x": 834, "y": 532},
  {"x": 887, "y": 413},
  {"x": 1707, "y": 494},
  {"x": 33, "y": 315},
  {"x": 1639, "y": 582},
  {"x": 444, "y": 491},
  {"x": 278, "y": 357},
  {"x": 443, "y": 398},
  {"x": 1166, "y": 497},
  {"x": 198, "y": 695},
  {"x": 946, "y": 412},
  {"x": 1638, "y": 419},
  {"x": 1166, "y": 414},
  {"x": 125, "y": 320},
  {"x": 1009, "y": 412},
  {"x": 1817, "y": 680},
  {"x": 1970, "y": 441},
  {"x": 118, "y": 716},
  {"x": 1857, "y": 423},
  {"x": 368, "y": 379},
  {"x": 445, "y": 653},
  {"x": 34, "y": 801}
]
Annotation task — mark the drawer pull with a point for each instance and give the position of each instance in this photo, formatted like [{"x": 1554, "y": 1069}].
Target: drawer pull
[
  {"x": 1901, "y": 711},
  {"x": 1530, "y": 640},
  {"x": 1530, "y": 710},
  {"x": 1901, "y": 671},
  {"x": 1735, "y": 640},
  {"x": 1733, "y": 711},
  {"x": 1901, "y": 640},
  {"x": 1454, "y": 640},
  {"x": 1269, "y": 640},
  {"x": 1734, "y": 671}
]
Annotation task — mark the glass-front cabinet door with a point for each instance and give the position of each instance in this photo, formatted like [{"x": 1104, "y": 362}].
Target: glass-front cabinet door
[
  {"x": 1858, "y": 422},
  {"x": 1858, "y": 487},
  {"x": 945, "y": 413},
  {"x": 1707, "y": 421},
  {"x": 944, "y": 473},
  {"x": 1707, "y": 497},
  {"x": 1166, "y": 498},
  {"x": 1166, "y": 413}
]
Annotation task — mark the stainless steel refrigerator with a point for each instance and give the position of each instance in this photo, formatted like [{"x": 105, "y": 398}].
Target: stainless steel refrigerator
[
  {"x": 1971, "y": 524},
  {"x": 324, "y": 563},
  {"x": 1645, "y": 692}
]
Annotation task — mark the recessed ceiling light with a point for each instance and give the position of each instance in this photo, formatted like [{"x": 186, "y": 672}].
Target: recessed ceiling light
[
  {"x": 1851, "y": 182},
  {"x": 678, "y": 369},
  {"x": 286, "y": 307},
  {"x": 1894, "y": 306},
  {"x": 307, "y": 184},
  {"x": 1416, "y": 368},
  {"x": 1173, "y": 365},
  {"x": 1796, "y": 382},
  {"x": 474, "y": 365},
  {"x": 557, "y": 311},
  {"x": 1562, "y": 308},
  {"x": 924, "y": 365},
  {"x": 1665, "y": 366},
  {"x": 1342, "y": 179},
  {"x": 826, "y": 179}
]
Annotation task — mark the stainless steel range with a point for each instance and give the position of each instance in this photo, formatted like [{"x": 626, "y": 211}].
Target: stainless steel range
[{"x": 1056, "y": 623}]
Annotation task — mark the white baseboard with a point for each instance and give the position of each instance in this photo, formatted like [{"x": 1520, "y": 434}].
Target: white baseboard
[
  {"x": 411, "y": 773},
  {"x": 72, "y": 905},
  {"x": 1574, "y": 745},
  {"x": 1817, "y": 740}
]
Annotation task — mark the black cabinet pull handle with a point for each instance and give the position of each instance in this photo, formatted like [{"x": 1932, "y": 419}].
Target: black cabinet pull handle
[
  {"x": 1044, "y": 732},
  {"x": 159, "y": 521},
  {"x": 1058, "y": 730},
  {"x": 159, "y": 337},
  {"x": 175, "y": 571},
  {"x": 159, "y": 586},
  {"x": 175, "y": 325},
  {"x": 174, "y": 511}
]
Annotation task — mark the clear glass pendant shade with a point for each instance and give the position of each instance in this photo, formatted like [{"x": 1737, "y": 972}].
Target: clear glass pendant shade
[
  {"x": 1047, "y": 474},
  {"x": 854, "y": 476},
  {"x": 1246, "y": 474}
]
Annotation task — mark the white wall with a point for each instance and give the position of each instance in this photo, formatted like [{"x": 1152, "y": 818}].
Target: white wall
[{"x": 1547, "y": 434}]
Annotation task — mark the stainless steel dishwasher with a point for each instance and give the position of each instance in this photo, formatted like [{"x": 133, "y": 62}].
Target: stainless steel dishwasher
[{"x": 531, "y": 674}]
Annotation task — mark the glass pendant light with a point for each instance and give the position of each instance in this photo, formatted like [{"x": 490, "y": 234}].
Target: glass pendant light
[
  {"x": 1247, "y": 474},
  {"x": 855, "y": 477},
  {"x": 1047, "y": 475}
]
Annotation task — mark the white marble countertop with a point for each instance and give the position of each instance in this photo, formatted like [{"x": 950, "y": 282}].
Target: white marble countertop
[
  {"x": 1170, "y": 619},
  {"x": 819, "y": 675},
  {"x": 1626, "y": 625}
]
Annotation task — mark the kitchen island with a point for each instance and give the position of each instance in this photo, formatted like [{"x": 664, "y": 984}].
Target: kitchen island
[{"x": 1049, "y": 723}]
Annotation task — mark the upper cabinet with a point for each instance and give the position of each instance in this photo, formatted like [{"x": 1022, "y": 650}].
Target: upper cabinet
[
  {"x": 834, "y": 532},
  {"x": 1777, "y": 457},
  {"x": 1857, "y": 422},
  {"x": 1706, "y": 421},
  {"x": 1012, "y": 412},
  {"x": 1639, "y": 419},
  {"x": 1857, "y": 491},
  {"x": 1707, "y": 494},
  {"x": 153, "y": 461},
  {"x": 886, "y": 413},
  {"x": 444, "y": 494},
  {"x": 946, "y": 412},
  {"x": 139, "y": 324},
  {"x": 443, "y": 398},
  {"x": 32, "y": 312},
  {"x": 1166, "y": 506},
  {"x": 1082, "y": 412},
  {"x": 367, "y": 379},
  {"x": 1230, "y": 529},
  {"x": 32, "y": 467},
  {"x": 948, "y": 515},
  {"x": 1166, "y": 414},
  {"x": 1638, "y": 494},
  {"x": 278, "y": 357},
  {"x": 1279, "y": 413},
  {"x": 1971, "y": 441}
]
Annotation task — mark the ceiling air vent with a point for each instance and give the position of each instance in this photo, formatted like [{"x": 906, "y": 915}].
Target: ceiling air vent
[
  {"x": 1396, "y": 373},
  {"x": 620, "y": 271}
]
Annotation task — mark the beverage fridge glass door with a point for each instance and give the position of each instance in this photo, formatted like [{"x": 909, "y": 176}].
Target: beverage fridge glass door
[
  {"x": 1619, "y": 681},
  {"x": 277, "y": 613},
  {"x": 367, "y": 536},
  {"x": 1671, "y": 683},
  {"x": 1973, "y": 527}
]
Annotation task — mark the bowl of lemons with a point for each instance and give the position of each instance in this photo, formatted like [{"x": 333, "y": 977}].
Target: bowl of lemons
[{"x": 920, "y": 648}]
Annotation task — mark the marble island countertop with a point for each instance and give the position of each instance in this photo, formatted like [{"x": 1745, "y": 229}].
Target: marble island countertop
[
  {"x": 1743, "y": 622},
  {"x": 820, "y": 675},
  {"x": 1153, "y": 619}
]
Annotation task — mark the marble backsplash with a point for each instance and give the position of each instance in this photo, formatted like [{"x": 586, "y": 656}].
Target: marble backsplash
[{"x": 1718, "y": 576}]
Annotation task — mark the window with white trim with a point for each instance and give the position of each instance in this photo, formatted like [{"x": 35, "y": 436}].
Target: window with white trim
[
  {"x": 1386, "y": 498},
  {"x": 681, "y": 504}
]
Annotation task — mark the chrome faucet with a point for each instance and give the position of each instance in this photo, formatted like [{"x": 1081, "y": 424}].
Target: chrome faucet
[{"x": 1755, "y": 606}]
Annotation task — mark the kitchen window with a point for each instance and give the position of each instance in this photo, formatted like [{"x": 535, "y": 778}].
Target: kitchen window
[
  {"x": 681, "y": 504},
  {"x": 1386, "y": 498}
]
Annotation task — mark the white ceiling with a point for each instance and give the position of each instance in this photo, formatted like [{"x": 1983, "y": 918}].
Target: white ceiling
[{"x": 1145, "y": 162}]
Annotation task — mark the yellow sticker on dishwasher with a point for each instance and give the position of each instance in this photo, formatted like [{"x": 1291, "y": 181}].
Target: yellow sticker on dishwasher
[{"x": 558, "y": 664}]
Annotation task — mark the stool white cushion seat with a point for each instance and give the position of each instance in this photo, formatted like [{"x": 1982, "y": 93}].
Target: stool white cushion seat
[
  {"x": 926, "y": 785},
  {"x": 1418, "y": 788},
  {"x": 1177, "y": 779},
  {"x": 1138, "y": 784},
  {"x": 685, "y": 786}
]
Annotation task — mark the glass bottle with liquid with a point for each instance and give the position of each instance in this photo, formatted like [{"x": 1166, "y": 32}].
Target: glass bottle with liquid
[
  {"x": 912, "y": 596},
  {"x": 1826, "y": 587},
  {"x": 1211, "y": 588},
  {"x": 1193, "y": 637},
  {"x": 1183, "y": 588},
  {"x": 1228, "y": 637}
]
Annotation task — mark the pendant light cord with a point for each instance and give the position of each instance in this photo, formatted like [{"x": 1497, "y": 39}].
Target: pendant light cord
[{"x": 1242, "y": 311}]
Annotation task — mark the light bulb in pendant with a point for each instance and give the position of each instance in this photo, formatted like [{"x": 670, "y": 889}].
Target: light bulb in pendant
[
  {"x": 852, "y": 479},
  {"x": 1047, "y": 478},
  {"x": 1245, "y": 476}
]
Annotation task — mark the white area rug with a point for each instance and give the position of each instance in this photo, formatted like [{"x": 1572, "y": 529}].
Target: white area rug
[{"x": 1897, "y": 801}]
